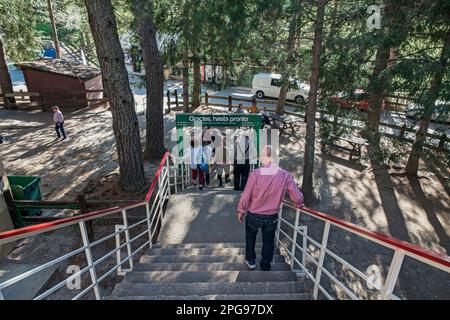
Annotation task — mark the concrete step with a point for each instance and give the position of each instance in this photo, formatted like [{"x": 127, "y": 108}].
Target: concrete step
[
  {"x": 202, "y": 245},
  {"x": 203, "y": 251},
  {"x": 209, "y": 276},
  {"x": 282, "y": 296},
  {"x": 126, "y": 289},
  {"x": 201, "y": 258},
  {"x": 215, "y": 266}
]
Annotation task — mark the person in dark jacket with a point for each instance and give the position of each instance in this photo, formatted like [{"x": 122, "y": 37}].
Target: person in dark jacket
[{"x": 244, "y": 150}]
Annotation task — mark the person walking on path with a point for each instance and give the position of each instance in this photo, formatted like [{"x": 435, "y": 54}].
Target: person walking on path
[
  {"x": 58, "y": 118},
  {"x": 260, "y": 203}
]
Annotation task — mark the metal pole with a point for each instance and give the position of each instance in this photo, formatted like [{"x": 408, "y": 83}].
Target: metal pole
[
  {"x": 168, "y": 177},
  {"x": 279, "y": 223},
  {"x": 168, "y": 101},
  {"x": 294, "y": 238},
  {"x": 149, "y": 226},
  {"x": 89, "y": 259},
  {"x": 175, "y": 179},
  {"x": 127, "y": 237},
  {"x": 183, "y": 178},
  {"x": 394, "y": 270},
  {"x": 323, "y": 247}
]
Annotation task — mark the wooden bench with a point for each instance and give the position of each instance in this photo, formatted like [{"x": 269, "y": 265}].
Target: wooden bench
[
  {"x": 354, "y": 150},
  {"x": 283, "y": 122}
]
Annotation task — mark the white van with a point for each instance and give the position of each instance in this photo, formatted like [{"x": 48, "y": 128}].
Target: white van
[{"x": 269, "y": 85}]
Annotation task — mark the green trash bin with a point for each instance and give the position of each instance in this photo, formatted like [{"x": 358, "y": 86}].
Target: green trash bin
[{"x": 26, "y": 188}]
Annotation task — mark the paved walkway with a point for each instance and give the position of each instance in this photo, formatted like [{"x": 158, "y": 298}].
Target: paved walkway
[{"x": 207, "y": 216}]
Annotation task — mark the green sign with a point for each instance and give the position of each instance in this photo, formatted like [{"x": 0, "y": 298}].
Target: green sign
[{"x": 218, "y": 120}]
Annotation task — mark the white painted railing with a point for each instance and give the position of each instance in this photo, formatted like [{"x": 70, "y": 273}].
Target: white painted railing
[
  {"x": 167, "y": 176},
  {"x": 400, "y": 250}
]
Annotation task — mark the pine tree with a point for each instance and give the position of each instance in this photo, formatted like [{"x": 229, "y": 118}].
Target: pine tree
[{"x": 117, "y": 88}]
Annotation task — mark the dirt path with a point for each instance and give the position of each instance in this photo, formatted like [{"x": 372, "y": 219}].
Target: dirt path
[{"x": 66, "y": 167}]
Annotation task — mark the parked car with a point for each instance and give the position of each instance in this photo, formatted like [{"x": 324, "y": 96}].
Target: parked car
[
  {"x": 269, "y": 85},
  {"x": 441, "y": 111},
  {"x": 358, "y": 100}
]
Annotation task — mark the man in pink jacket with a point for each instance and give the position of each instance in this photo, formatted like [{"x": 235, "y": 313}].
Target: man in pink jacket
[{"x": 260, "y": 203}]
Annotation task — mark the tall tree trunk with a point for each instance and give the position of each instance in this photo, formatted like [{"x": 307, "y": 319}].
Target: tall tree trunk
[
  {"x": 377, "y": 92},
  {"x": 154, "y": 75},
  {"x": 186, "y": 81},
  {"x": 290, "y": 46},
  {"x": 282, "y": 97},
  {"x": 381, "y": 79},
  {"x": 197, "y": 81},
  {"x": 412, "y": 166},
  {"x": 5, "y": 78},
  {"x": 117, "y": 87},
  {"x": 54, "y": 30},
  {"x": 308, "y": 169}
]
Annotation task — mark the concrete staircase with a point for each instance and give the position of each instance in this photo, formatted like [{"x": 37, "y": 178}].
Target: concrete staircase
[
  {"x": 200, "y": 256},
  {"x": 207, "y": 271}
]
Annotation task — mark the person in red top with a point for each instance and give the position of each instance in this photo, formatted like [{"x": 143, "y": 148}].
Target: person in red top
[{"x": 260, "y": 203}]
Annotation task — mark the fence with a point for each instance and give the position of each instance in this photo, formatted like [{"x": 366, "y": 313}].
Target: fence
[
  {"x": 441, "y": 142},
  {"x": 289, "y": 241},
  {"x": 170, "y": 177},
  {"x": 82, "y": 98},
  {"x": 166, "y": 177}
]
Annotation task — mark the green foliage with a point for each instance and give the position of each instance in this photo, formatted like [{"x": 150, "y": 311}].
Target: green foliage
[{"x": 18, "y": 28}]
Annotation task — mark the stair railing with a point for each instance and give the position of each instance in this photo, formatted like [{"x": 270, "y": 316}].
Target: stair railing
[
  {"x": 316, "y": 252},
  {"x": 97, "y": 269}
]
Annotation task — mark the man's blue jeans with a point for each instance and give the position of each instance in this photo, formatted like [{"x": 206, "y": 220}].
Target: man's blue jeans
[
  {"x": 268, "y": 225},
  {"x": 59, "y": 127}
]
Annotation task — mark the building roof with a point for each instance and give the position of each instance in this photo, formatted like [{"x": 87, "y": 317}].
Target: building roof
[{"x": 61, "y": 67}]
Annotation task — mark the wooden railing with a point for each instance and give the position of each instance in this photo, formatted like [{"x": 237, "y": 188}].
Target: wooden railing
[
  {"x": 442, "y": 141},
  {"x": 41, "y": 100}
]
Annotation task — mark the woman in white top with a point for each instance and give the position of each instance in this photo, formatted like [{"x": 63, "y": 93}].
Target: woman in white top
[{"x": 197, "y": 155}]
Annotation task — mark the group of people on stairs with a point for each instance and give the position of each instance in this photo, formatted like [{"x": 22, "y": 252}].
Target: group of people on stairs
[
  {"x": 209, "y": 155},
  {"x": 263, "y": 189}
]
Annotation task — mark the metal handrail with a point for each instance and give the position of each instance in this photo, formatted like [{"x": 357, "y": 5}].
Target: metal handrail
[
  {"x": 401, "y": 249},
  {"x": 154, "y": 217},
  {"x": 168, "y": 176}
]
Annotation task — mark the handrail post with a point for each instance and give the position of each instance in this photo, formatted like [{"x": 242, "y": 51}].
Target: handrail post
[
  {"x": 168, "y": 101},
  {"x": 89, "y": 258},
  {"x": 394, "y": 270},
  {"x": 127, "y": 237},
  {"x": 175, "y": 178},
  {"x": 168, "y": 177},
  {"x": 182, "y": 176},
  {"x": 149, "y": 225},
  {"x": 176, "y": 98},
  {"x": 294, "y": 238},
  {"x": 280, "y": 212},
  {"x": 161, "y": 196},
  {"x": 323, "y": 248}
]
